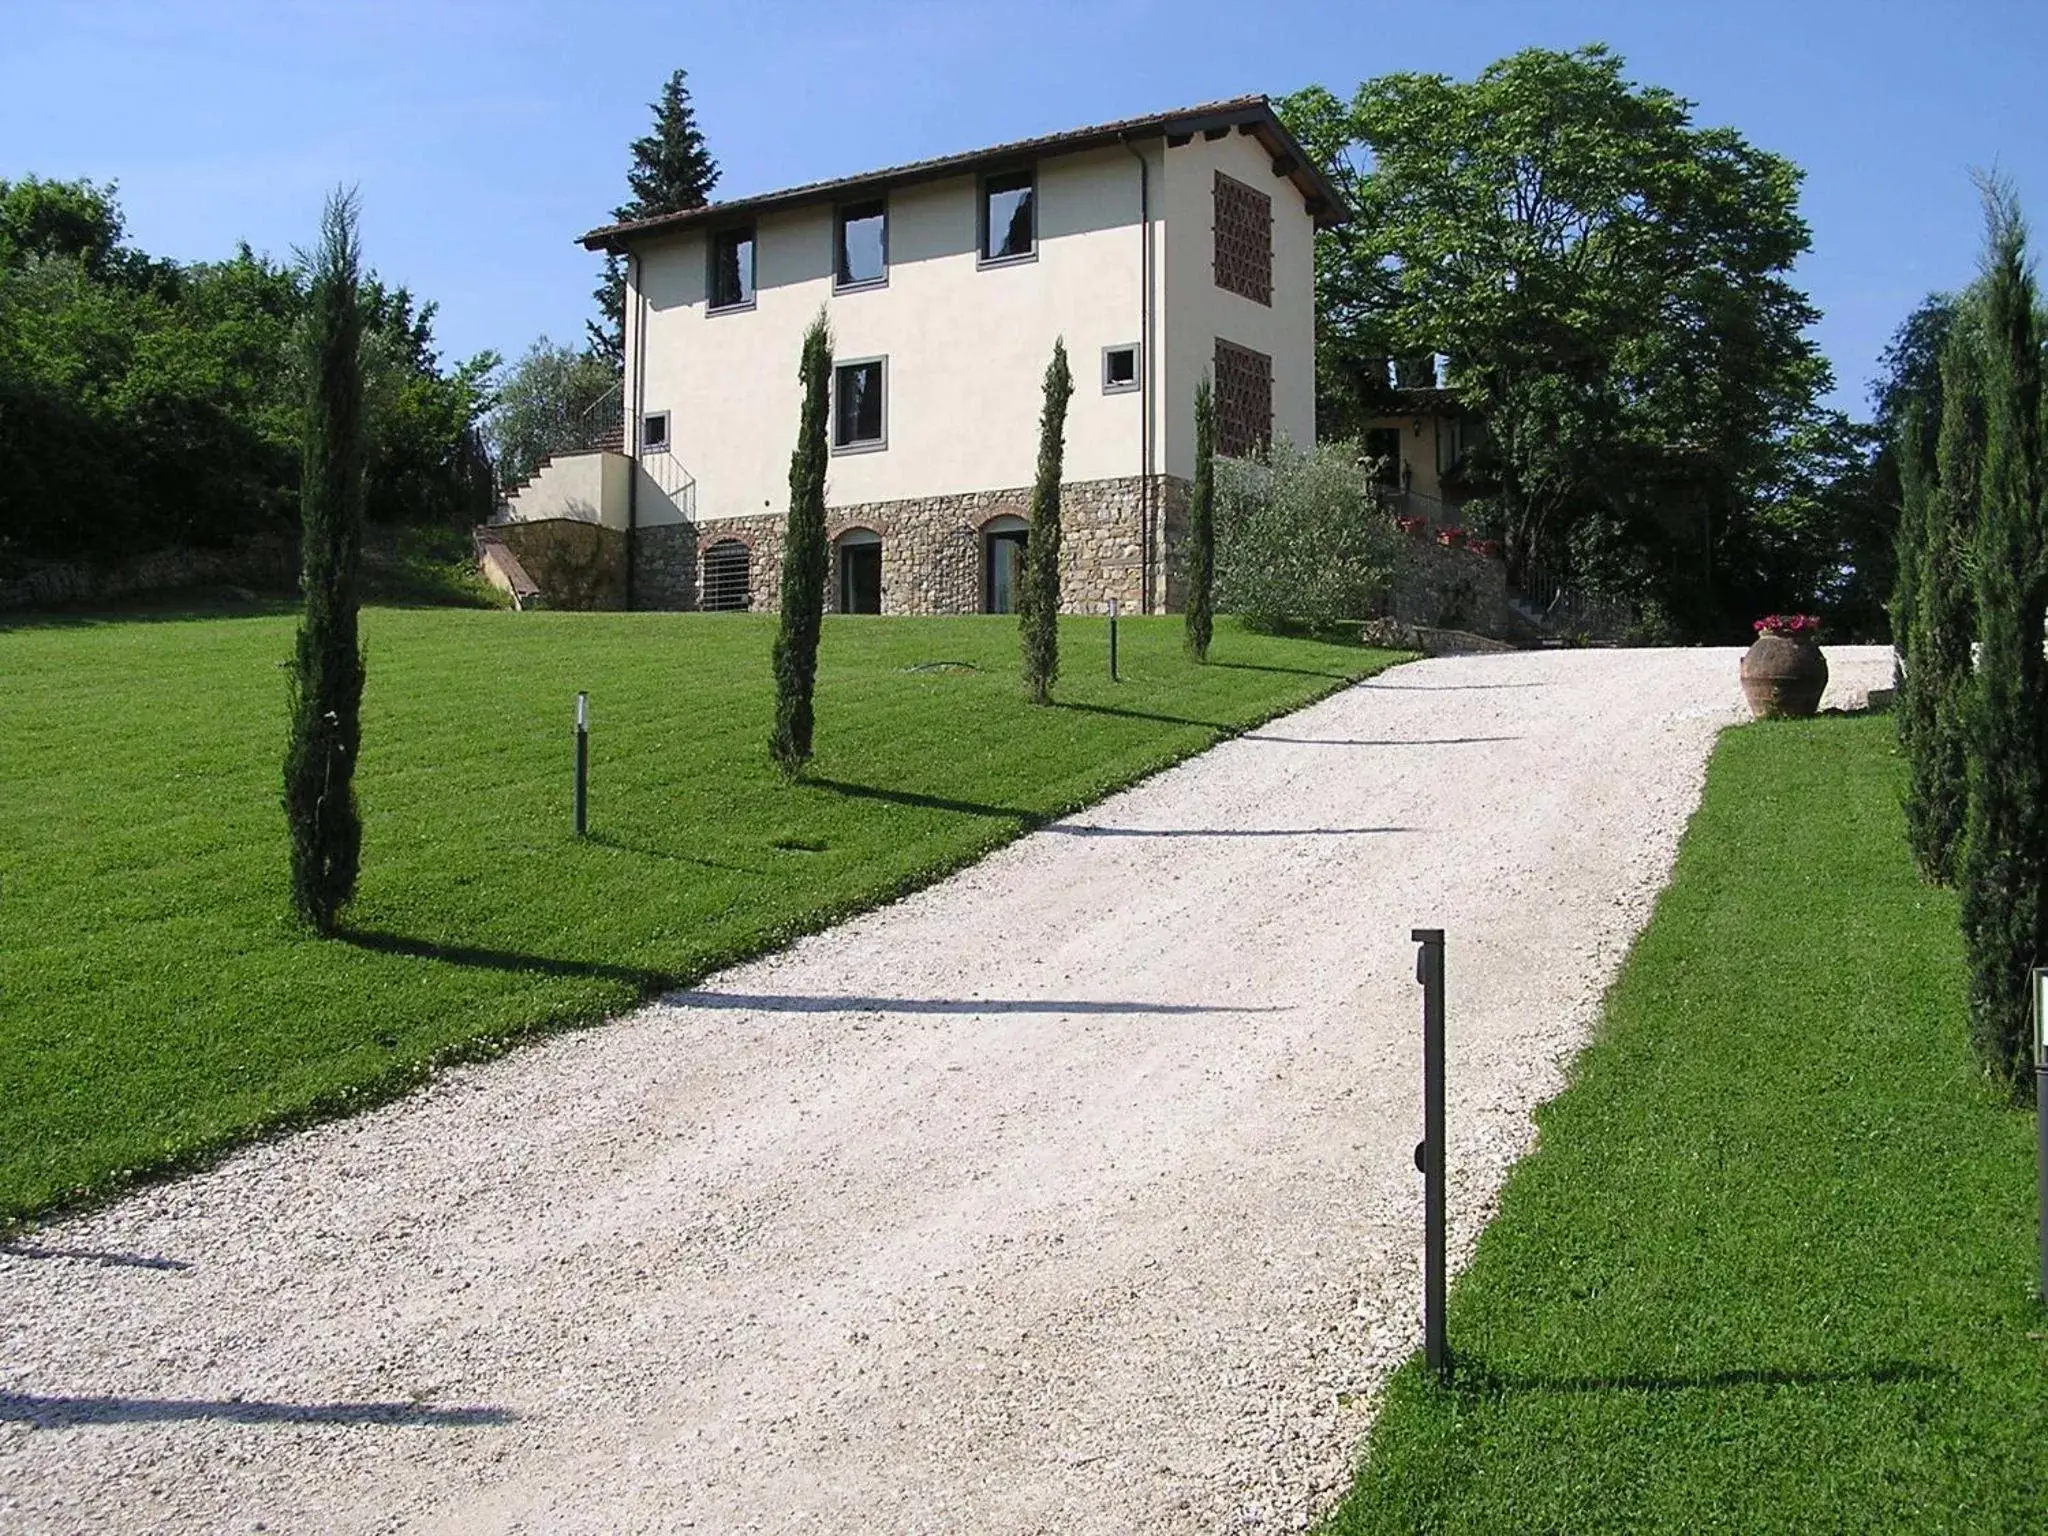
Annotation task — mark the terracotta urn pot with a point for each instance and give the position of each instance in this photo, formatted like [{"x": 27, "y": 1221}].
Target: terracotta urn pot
[{"x": 1783, "y": 678}]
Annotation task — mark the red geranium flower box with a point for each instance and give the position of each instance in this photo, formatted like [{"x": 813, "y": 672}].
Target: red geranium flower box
[
  {"x": 1414, "y": 527},
  {"x": 1451, "y": 538},
  {"x": 1487, "y": 547}
]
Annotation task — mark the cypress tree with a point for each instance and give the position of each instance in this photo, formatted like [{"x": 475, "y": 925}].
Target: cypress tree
[
  {"x": 326, "y": 683},
  {"x": 1916, "y": 474},
  {"x": 1945, "y": 617},
  {"x": 2005, "y": 849},
  {"x": 672, "y": 171},
  {"x": 1039, "y": 602},
  {"x": 1202, "y": 526},
  {"x": 804, "y": 559}
]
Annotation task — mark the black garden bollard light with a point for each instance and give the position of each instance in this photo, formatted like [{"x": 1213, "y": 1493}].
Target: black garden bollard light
[
  {"x": 1113, "y": 605},
  {"x": 582, "y": 763},
  {"x": 1429, "y": 1153},
  {"x": 2041, "y": 1115}
]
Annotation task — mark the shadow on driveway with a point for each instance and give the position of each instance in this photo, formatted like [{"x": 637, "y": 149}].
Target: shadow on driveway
[{"x": 69, "y": 1412}]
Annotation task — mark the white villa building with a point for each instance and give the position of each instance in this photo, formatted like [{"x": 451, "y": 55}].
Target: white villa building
[{"x": 1160, "y": 248}]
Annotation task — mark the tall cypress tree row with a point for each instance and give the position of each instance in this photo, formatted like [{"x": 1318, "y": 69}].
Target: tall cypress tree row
[
  {"x": 1942, "y": 622},
  {"x": 1202, "y": 526},
  {"x": 1039, "y": 601},
  {"x": 804, "y": 560},
  {"x": 2005, "y": 848},
  {"x": 326, "y": 685},
  {"x": 672, "y": 170}
]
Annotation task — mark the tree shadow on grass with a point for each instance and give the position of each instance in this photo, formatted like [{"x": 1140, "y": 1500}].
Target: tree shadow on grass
[
  {"x": 1140, "y": 714},
  {"x": 499, "y": 959},
  {"x": 1473, "y": 1378},
  {"x": 66, "y": 1412},
  {"x": 1255, "y": 666},
  {"x": 925, "y": 802},
  {"x": 648, "y": 850}
]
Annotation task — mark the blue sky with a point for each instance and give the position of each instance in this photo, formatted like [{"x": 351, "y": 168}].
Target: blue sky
[{"x": 485, "y": 137}]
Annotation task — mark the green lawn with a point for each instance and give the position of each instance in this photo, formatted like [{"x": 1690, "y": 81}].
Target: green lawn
[
  {"x": 155, "y": 1004},
  {"x": 1771, "y": 1266}
]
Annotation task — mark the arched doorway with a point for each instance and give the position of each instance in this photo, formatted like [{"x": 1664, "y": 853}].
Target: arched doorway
[
  {"x": 1002, "y": 562},
  {"x": 727, "y": 568},
  {"x": 859, "y": 552}
]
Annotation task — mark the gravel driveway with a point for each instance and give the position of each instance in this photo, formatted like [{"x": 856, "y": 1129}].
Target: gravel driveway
[{"x": 1072, "y": 1195}]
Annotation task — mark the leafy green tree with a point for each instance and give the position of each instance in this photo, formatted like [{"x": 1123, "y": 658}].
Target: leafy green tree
[
  {"x": 1876, "y": 534},
  {"x": 2004, "y": 865},
  {"x": 427, "y": 461},
  {"x": 1909, "y": 371},
  {"x": 543, "y": 407},
  {"x": 197, "y": 373},
  {"x": 672, "y": 171},
  {"x": 1610, "y": 285},
  {"x": 42, "y": 219},
  {"x": 326, "y": 687},
  {"x": 1038, "y": 607},
  {"x": 1202, "y": 525},
  {"x": 804, "y": 560}
]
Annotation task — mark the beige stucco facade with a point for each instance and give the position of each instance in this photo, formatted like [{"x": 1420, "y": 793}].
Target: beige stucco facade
[
  {"x": 1124, "y": 255},
  {"x": 965, "y": 342},
  {"x": 1198, "y": 311}
]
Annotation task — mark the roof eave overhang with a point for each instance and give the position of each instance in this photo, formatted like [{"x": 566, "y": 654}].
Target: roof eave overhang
[{"x": 1322, "y": 200}]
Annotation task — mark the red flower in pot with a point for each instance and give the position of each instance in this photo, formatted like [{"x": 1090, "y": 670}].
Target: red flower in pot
[
  {"x": 1414, "y": 527},
  {"x": 1793, "y": 626},
  {"x": 1451, "y": 538},
  {"x": 1490, "y": 548}
]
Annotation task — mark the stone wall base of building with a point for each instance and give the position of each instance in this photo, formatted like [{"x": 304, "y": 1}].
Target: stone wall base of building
[
  {"x": 935, "y": 552},
  {"x": 935, "y": 549}
]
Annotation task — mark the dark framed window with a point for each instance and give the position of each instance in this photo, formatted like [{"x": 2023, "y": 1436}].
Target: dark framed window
[
  {"x": 860, "y": 417},
  {"x": 732, "y": 267},
  {"x": 863, "y": 244},
  {"x": 654, "y": 432},
  {"x": 1009, "y": 216},
  {"x": 1244, "y": 399},
  {"x": 1120, "y": 368},
  {"x": 1244, "y": 240}
]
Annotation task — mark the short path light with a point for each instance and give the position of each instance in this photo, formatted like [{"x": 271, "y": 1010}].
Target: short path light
[
  {"x": 1429, "y": 1154},
  {"x": 582, "y": 763},
  {"x": 1112, "y": 639},
  {"x": 2041, "y": 1114}
]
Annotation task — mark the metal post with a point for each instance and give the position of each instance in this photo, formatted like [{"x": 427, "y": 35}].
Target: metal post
[
  {"x": 1429, "y": 1156},
  {"x": 1112, "y": 639},
  {"x": 582, "y": 763},
  {"x": 2041, "y": 1116}
]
